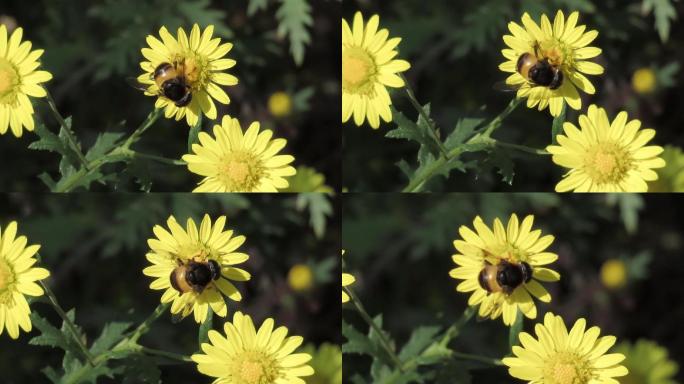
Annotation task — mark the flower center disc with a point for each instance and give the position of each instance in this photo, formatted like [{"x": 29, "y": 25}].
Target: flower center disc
[
  {"x": 241, "y": 171},
  {"x": 566, "y": 369},
  {"x": 557, "y": 53},
  {"x": 9, "y": 79},
  {"x": 607, "y": 163},
  {"x": 358, "y": 69},
  {"x": 254, "y": 368},
  {"x": 6, "y": 279}
]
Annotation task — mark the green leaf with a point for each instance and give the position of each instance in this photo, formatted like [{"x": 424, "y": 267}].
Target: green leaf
[
  {"x": 357, "y": 342},
  {"x": 465, "y": 128},
  {"x": 140, "y": 369},
  {"x": 203, "y": 336},
  {"x": 300, "y": 100},
  {"x": 111, "y": 334},
  {"x": 557, "y": 126},
  {"x": 664, "y": 13},
  {"x": 201, "y": 12},
  {"x": 515, "y": 330},
  {"x": 418, "y": 132},
  {"x": 294, "y": 16},
  {"x": 319, "y": 209},
  {"x": 256, "y": 6},
  {"x": 500, "y": 159},
  {"x": 420, "y": 339},
  {"x": 105, "y": 142},
  {"x": 49, "y": 335}
]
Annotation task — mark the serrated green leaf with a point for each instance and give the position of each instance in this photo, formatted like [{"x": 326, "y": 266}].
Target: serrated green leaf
[
  {"x": 420, "y": 339},
  {"x": 418, "y": 131},
  {"x": 140, "y": 369},
  {"x": 49, "y": 335},
  {"x": 502, "y": 162},
  {"x": 319, "y": 209},
  {"x": 256, "y": 6},
  {"x": 111, "y": 334},
  {"x": 357, "y": 342},
  {"x": 104, "y": 143},
  {"x": 464, "y": 129},
  {"x": 294, "y": 16},
  {"x": 664, "y": 13}
]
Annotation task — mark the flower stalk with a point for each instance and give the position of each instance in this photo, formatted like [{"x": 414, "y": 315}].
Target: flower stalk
[{"x": 65, "y": 127}]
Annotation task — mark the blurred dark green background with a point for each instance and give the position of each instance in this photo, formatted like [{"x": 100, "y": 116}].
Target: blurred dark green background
[
  {"x": 399, "y": 249},
  {"x": 91, "y": 47},
  {"x": 95, "y": 245},
  {"x": 454, "y": 48}
]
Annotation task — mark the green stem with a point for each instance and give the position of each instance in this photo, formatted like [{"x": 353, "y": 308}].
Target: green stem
[
  {"x": 67, "y": 131},
  {"x": 482, "y": 137},
  {"x": 455, "y": 328},
  {"x": 160, "y": 159},
  {"x": 481, "y": 359},
  {"x": 523, "y": 148},
  {"x": 145, "y": 325},
  {"x": 168, "y": 355},
  {"x": 71, "y": 327},
  {"x": 383, "y": 339},
  {"x": 421, "y": 111},
  {"x": 149, "y": 121}
]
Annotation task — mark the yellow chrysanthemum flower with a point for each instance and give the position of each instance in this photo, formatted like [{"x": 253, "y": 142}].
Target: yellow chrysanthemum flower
[
  {"x": 280, "y": 104},
  {"x": 670, "y": 177},
  {"x": 647, "y": 363},
  {"x": 614, "y": 274},
  {"x": 605, "y": 156},
  {"x": 514, "y": 244},
  {"x": 557, "y": 356},
  {"x": 17, "y": 280},
  {"x": 19, "y": 79},
  {"x": 237, "y": 162},
  {"x": 368, "y": 67},
  {"x": 300, "y": 278},
  {"x": 326, "y": 363},
  {"x": 347, "y": 279},
  {"x": 644, "y": 81},
  {"x": 564, "y": 45},
  {"x": 177, "y": 246},
  {"x": 200, "y": 59},
  {"x": 247, "y": 356}
]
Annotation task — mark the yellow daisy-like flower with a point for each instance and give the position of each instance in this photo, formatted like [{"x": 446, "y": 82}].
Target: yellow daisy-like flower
[
  {"x": 237, "y": 162},
  {"x": 200, "y": 60},
  {"x": 557, "y": 356},
  {"x": 605, "y": 156},
  {"x": 19, "y": 79},
  {"x": 247, "y": 356},
  {"x": 17, "y": 280},
  {"x": 647, "y": 363},
  {"x": 512, "y": 245},
  {"x": 564, "y": 45},
  {"x": 368, "y": 67},
  {"x": 192, "y": 246},
  {"x": 347, "y": 279}
]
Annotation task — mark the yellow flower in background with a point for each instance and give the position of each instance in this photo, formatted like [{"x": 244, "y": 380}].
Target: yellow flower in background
[
  {"x": 245, "y": 355},
  {"x": 368, "y": 68},
  {"x": 17, "y": 280},
  {"x": 557, "y": 356},
  {"x": 300, "y": 278},
  {"x": 671, "y": 176},
  {"x": 564, "y": 45},
  {"x": 647, "y": 362},
  {"x": 347, "y": 279},
  {"x": 604, "y": 156},
  {"x": 208, "y": 244},
  {"x": 200, "y": 60},
  {"x": 614, "y": 274},
  {"x": 280, "y": 104},
  {"x": 19, "y": 80},
  {"x": 644, "y": 81},
  {"x": 307, "y": 179},
  {"x": 326, "y": 363},
  {"x": 233, "y": 161},
  {"x": 506, "y": 249}
]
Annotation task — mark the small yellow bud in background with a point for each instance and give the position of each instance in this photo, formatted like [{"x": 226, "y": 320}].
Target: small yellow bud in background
[
  {"x": 300, "y": 278},
  {"x": 644, "y": 81},
  {"x": 614, "y": 274},
  {"x": 280, "y": 104}
]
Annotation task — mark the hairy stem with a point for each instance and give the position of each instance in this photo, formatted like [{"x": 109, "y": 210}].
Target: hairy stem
[
  {"x": 71, "y": 327},
  {"x": 421, "y": 111},
  {"x": 381, "y": 334},
  {"x": 67, "y": 131}
]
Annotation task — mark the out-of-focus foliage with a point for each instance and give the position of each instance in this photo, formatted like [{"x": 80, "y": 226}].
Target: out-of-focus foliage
[
  {"x": 91, "y": 48},
  {"x": 399, "y": 249},
  {"x": 455, "y": 49},
  {"x": 95, "y": 246}
]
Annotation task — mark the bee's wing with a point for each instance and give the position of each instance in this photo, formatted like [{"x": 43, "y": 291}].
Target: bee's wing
[
  {"x": 133, "y": 82},
  {"x": 503, "y": 87}
]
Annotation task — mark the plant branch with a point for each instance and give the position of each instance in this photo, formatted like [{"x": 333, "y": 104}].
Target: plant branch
[
  {"x": 421, "y": 111},
  {"x": 381, "y": 334},
  {"x": 523, "y": 148},
  {"x": 67, "y": 131},
  {"x": 145, "y": 325},
  {"x": 455, "y": 328},
  {"x": 481, "y": 359},
  {"x": 71, "y": 327},
  {"x": 168, "y": 355},
  {"x": 160, "y": 159},
  {"x": 149, "y": 121}
]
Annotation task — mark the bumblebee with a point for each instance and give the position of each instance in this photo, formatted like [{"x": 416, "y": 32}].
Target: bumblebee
[
  {"x": 194, "y": 276},
  {"x": 172, "y": 83},
  {"x": 504, "y": 277},
  {"x": 538, "y": 70}
]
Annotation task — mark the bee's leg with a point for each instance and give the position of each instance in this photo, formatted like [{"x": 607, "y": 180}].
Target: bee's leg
[{"x": 185, "y": 100}]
